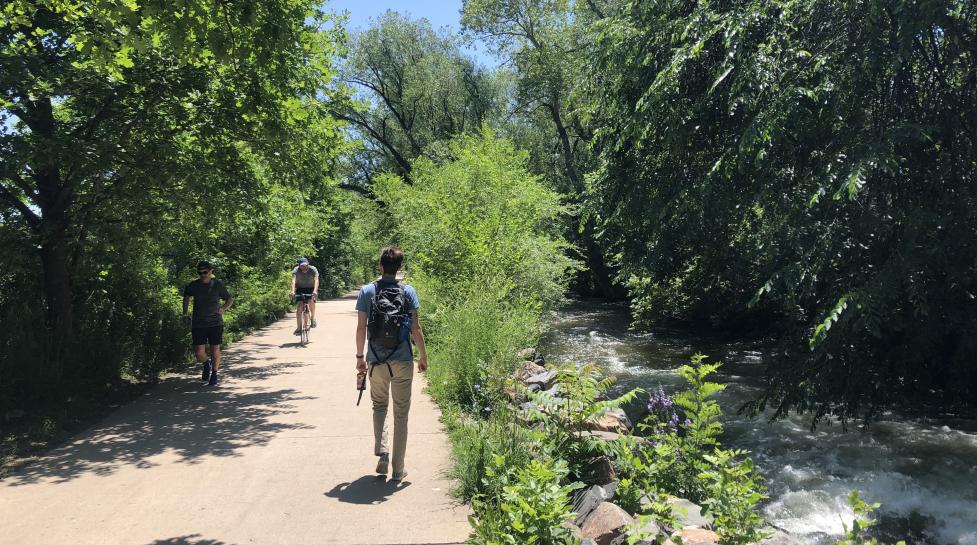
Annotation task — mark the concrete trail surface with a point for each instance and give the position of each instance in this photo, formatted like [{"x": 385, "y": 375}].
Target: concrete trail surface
[{"x": 279, "y": 453}]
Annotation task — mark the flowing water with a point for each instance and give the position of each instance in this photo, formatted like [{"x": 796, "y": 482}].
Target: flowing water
[{"x": 924, "y": 473}]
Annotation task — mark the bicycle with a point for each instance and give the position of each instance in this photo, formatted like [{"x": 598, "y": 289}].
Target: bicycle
[{"x": 303, "y": 299}]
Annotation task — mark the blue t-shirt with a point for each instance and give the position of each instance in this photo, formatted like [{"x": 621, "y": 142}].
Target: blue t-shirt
[{"x": 363, "y": 303}]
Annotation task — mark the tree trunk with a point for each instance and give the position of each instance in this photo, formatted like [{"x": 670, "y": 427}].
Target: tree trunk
[
  {"x": 598, "y": 266},
  {"x": 57, "y": 279},
  {"x": 595, "y": 257}
]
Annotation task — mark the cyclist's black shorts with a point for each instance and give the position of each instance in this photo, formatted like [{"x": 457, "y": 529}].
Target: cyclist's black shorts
[
  {"x": 303, "y": 291},
  {"x": 213, "y": 335}
]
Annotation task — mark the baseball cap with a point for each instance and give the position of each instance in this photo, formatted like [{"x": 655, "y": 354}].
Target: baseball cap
[{"x": 303, "y": 261}]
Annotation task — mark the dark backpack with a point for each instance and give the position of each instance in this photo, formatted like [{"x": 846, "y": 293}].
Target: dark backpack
[{"x": 389, "y": 323}]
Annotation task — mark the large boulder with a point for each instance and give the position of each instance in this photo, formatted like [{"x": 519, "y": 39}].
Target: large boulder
[
  {"x": 544, "y": 380},
  {"x": 614, "y": 420},
  {"x": 648, "y": 529},
  {"x": 527, "y": 354},
  {"x": 611, "y": 488},
  {"x": 527, "y": 370},
  {"x": 605, "y": 523},
  {"x": 600, "y": 471},
  {"x": 694, "y": 536},
  {"x": 586, "y": 500},
  {"x": 574, "y": 529},
  {"x": 603, "y": 435},
  {"x": 687, "y": 513}
]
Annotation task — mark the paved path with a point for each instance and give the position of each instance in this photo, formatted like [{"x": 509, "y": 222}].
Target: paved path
[{"x": 277, "y": 454}]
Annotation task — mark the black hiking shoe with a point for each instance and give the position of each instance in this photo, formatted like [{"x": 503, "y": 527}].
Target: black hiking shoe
[
  {"x": 207, "y": 367},
  {"x": 214, "y": 379},
  {"x": 382, "y": 464}
]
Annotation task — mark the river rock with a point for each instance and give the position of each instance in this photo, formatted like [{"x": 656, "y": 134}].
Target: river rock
[
  {"x": 611, "y": 488},
  {"x": 586, "y": 500},
  {"x": 554, "y": 392},
  {"x": 600, "y": 472},
  {"x": 528, "y": 370},
  {"x": 526, "y": 354},
  {"x": 613, "y": 420},
  {"x": 648, "y": 528},
  {"x": 544, "y": 380},
  {"x": 607, "y": 522},
  {"x": 603, "y": 435},
  {"x": 694, "y": 536},
  {"x": 687, "y": 513},
  {"x": 539, "y": 360},
  {"x": 574, "y": 529},
  {"x": 651, "y": 528}
]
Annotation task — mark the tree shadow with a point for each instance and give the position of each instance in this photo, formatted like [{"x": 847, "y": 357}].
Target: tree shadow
[
  {"x": 180, "y": 416},
  {"x": 235, "y": 368},
  {"x": 193, "y": 539},
  {"x": 368, "y": 489}
]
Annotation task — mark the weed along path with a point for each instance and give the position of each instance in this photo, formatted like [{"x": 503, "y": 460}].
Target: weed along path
[{"x": 279, "y": 453}]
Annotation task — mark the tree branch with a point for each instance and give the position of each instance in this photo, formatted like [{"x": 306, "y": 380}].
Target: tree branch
[{"x": 29, "y": 216}]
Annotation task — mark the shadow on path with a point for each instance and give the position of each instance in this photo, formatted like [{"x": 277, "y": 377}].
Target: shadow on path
[
  {"x": 193, "y": 539},
  {"x": 368, "y": 489},
  {"x": 181, "y": 416}
]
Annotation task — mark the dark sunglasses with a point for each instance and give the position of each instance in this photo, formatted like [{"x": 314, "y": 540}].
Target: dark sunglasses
[{"x": 201, "y": 273}]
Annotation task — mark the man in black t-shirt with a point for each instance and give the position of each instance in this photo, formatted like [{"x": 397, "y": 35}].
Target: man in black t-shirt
[{"x": 207, "y": 326}]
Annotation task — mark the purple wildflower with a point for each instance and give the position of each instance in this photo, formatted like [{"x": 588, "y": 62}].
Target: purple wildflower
[{"x": 661, "y": 406}]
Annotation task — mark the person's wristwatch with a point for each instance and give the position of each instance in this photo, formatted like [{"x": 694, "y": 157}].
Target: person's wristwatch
[{"x": 359, "y": 356}]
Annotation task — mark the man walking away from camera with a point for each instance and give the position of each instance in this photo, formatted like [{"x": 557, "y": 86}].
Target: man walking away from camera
[{"x": 387, "y": 313}]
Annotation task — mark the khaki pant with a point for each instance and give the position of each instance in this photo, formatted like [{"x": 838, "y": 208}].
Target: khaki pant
[{"x": 398, "y": 386}]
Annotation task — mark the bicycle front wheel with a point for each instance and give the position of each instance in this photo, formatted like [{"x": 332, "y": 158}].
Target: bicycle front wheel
[{"x": 305, "y": 326}]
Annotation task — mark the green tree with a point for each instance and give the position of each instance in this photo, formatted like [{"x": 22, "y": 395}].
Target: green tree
[
  {"x": 416, "y": 87},
  {"x": 125, "y": 122},
  {"x": 545, "y": 42},
  {"x": 802, "y": 165},
  {"x": 513, "y": 238}
]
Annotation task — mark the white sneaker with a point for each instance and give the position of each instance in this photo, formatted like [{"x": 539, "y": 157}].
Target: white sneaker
[{"x": 382, "y": 464}]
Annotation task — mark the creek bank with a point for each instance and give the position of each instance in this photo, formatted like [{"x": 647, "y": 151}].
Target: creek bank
[{"x": 598, "y": 519}]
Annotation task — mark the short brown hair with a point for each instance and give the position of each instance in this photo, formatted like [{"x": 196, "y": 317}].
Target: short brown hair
[{"x": 391, "y": 258}]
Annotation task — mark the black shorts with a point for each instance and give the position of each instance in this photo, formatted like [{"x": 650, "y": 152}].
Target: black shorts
[
  {"x": 304, "y": 291},
  {"x": 213, "y": 335}
]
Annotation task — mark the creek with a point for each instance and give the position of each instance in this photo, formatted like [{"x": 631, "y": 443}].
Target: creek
[{"x": 923, "y": 472}]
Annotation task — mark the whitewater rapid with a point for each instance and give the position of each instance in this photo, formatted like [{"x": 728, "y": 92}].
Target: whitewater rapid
[{"x": 924, "y": 473}]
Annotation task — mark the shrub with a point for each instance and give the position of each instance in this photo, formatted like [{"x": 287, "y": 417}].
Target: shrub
[
  {"x": 479, "y": 214},
  {"x": 531, "y": 507},
  {"x": 477, "y": 442},
  {"x": 683, "y": 458},
  {"x": 475, "y": 335},
  {"x": 565, "y": 417}
]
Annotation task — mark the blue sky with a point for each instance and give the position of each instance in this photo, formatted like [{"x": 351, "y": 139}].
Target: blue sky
[{"x": 439, "y": 12}]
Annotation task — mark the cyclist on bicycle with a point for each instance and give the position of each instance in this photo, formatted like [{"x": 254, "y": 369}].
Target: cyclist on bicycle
[{"x": 305, "y": 280}]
